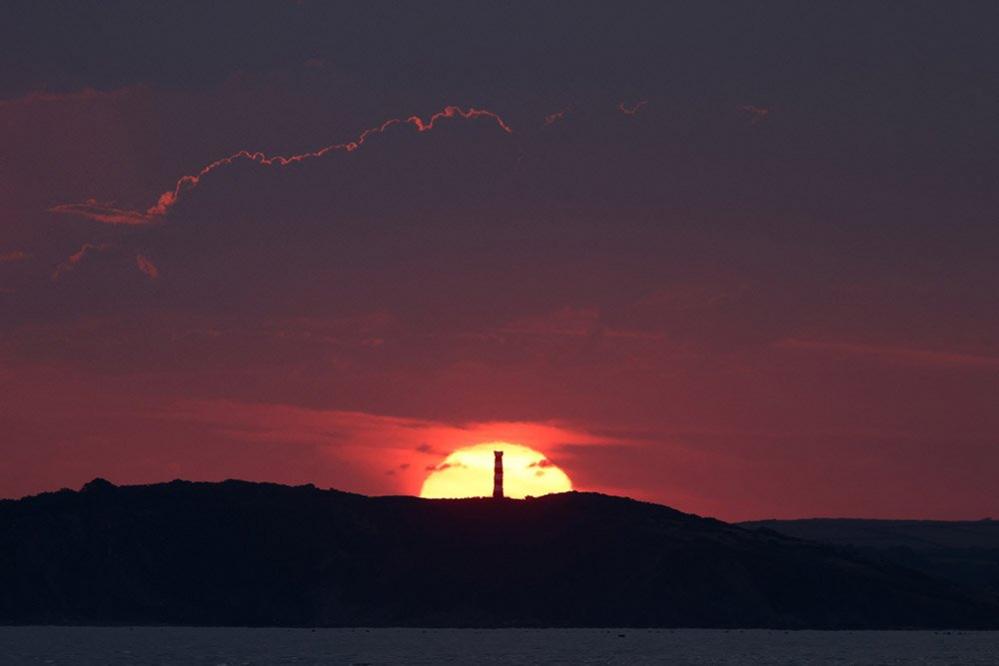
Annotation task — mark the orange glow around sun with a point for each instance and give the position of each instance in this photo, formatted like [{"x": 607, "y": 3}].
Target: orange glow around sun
[{"x": 468, "y": 472}]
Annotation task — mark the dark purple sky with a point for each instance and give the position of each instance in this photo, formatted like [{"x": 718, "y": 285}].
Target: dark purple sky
[{"x": 736, "y": 258}]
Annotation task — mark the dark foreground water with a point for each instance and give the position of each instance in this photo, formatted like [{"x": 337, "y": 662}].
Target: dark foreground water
[{"x": 234, "y": 647}]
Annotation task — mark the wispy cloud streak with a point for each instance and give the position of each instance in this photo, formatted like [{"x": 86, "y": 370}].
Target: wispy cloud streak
[
  {"x": 14, "y": 257},
  {"x": 113, "y": 215},
  {"x": 77, "y": 257},
  {"x": 553, "y": 118},
  {"x": 904, "y": 355},
  {"x": 757, "y": 113},
  {"x": 147, "y": 266},
  {"x": 632, "y": 110}
]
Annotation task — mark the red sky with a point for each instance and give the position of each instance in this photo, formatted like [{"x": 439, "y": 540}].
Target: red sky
[{"x": 693, "y": 271}]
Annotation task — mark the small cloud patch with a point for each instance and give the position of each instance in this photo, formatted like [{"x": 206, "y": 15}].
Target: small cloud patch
[
  {"x": 147, "y": 266},
  {"x": 757, "y": 113},
  {"x": 77, "y": 257},
  {"x": 14, "y": 257},
  {"x": 632, "y": 110},
  {"x": 444, "y": 466}
]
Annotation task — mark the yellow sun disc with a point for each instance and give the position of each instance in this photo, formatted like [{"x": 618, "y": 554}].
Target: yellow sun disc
[{"x": 468, "y": 472}]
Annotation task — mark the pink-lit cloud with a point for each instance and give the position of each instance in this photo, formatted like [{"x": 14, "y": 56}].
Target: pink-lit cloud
[
  {"x": 411, "y": 446},
  {"x": 106, "y": 213},
  {"x": 74, "y": 260},
  {"x": 14, "y": 256},
  {"x": 109, "y": 214},
  {"x": 757, "y": 114},
  {"x": 147, "y": 266},
  {"x": 553, "y": 118},
  {"x": 633, "y": 109}
]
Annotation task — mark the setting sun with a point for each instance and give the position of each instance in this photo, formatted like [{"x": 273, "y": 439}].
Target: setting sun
[{"x": 468, "y": 472}]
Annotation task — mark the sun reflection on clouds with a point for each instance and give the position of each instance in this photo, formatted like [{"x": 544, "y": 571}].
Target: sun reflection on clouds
[{"x": 377, "y": 454}]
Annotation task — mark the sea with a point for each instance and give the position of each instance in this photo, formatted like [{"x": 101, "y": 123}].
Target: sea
[{"x": 370, "y": 647}]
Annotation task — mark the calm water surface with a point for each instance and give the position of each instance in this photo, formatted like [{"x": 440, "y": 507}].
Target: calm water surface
[{"x": 233, "y": 647}]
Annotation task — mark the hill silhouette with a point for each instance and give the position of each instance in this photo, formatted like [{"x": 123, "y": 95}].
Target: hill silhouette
[
  {"x": 239, "y": 553},
  {"x": 963, "y": 551}
]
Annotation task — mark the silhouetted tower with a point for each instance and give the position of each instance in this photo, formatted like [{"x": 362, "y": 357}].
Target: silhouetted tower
[{"x": 498, "y": 475}]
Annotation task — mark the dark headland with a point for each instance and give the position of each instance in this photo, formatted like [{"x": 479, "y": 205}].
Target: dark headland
[{"x": 238, "y": 553}]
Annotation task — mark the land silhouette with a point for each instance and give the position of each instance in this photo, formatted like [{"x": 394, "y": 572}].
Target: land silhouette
[
  {"x": 240, "y": 553},
  {"x": 963, "y": 551}
]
